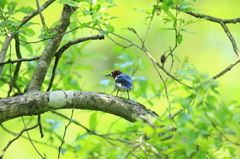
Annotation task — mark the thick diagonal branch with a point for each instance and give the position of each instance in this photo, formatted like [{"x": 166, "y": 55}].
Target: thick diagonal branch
[{"x": 50, "y": 49}]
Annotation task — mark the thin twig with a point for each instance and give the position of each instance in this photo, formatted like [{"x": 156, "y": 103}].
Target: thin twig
[
  {"x": 42, "y": 143},
  {"x": 59, "y": 53},
  {"x": 40, "y": 125},
  {"x": 70, "y": 121},
  {"x": 227, "y": 69},
  {"x": 35, "y": 12},
  {"x": 104, "y": 136},
  {"x": 12, "y": 35},
  {"x": 40, "y": 13},
  {"x": 134, "y": 148},
  {"x": 234, "y": 44},
  {"x": 11, "y": 141},
  {"x": 64, "y": 134},
  {"x": 31, "y": 139},
  {"x": 150, "y": 22},
  {"x": 19, "y": 60},
  {"x": 216, "y": 128},
  {"x": 175, "y": 114}
]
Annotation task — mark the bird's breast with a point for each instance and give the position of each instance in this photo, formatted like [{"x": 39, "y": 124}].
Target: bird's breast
[{"x": 120, "y": 88}]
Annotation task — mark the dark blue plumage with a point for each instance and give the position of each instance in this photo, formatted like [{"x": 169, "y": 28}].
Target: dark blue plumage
[{"x": 123, "y": 82}]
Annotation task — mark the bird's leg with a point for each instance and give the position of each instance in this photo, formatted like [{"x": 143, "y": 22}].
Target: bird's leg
[
  {"x": 128, "y": 94},
  {"x": 117, "y": 92}
]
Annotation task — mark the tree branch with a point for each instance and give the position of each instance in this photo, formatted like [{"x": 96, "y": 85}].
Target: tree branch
[
  {"x": 31, "y": 139},
  {"x": 49, "y": 51},
  {"x": 19, "y": 60},
  {"x": 65, "y": 47},
  {"x": 62, "y": 49},
  {"x": 36, "y": 102},
  {"x": 11, "y": 141},
  {"x": 34, "y": 13},
  {"x": 40, "y": 13},
  {"x": 4, "y": 49},
  {"x": 213, "y": 19},
  {"x": 11, "y": 35},
  {"x": 234, "y": 44},
  {"x": 226, "y": 69}
]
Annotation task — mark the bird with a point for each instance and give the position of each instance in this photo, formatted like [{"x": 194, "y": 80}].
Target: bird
[{"x": 123, "y": 82}]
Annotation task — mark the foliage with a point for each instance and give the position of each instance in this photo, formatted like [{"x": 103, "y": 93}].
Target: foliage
[{"x": 197, "y": 123}]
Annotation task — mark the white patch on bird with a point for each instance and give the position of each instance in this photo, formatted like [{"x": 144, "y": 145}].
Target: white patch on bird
[
  {"x": 119, "y": 87},
  {"x": 58, "y": 99}
]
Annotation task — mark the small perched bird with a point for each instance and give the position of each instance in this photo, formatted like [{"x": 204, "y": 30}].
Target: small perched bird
[{"x": 123, "y": 82}]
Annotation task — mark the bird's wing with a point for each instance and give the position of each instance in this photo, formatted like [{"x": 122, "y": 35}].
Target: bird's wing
[{"x": 124, "y": 79}]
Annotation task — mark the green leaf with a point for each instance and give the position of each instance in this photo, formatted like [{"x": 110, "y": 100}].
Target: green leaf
[
  {"x": 63, "y": 150},
  {"x": 185, "y": 5},
  {"x": 125, "y": 57},
  {"x": 28, "y": 47},
  {"x": 55, "y": 23},
  {"x": 143, "y": 64},
  {"x": 143, "y": 83},
  {"x": 11, "y": 7},
  {"x": 53, "y": 123},
  {"x": 183, "y": 118},
  {"x": 28, "y": 31},
  {"x": 141, "y": 10},
  {"x": 170, "y": 15},
  {"x": 117, "y": 49},
  {"x": 179, "y": 39},
  {"x": 29, "y": 24},
  {"x": 93, "y": 120},
  {"x": 104, "y": 83},
  {"x": 83, "y": 25},
  {"x": 80, "y": 137},
  {"x": 86, "y": 12},
  {"x": 166, "y": 29},
  {"x": 109, "y": 27},
  {"x": 124, "y": 65},
  {"x": 3, "y": 3},
  {"x": 26, "y": 10},
  {"x": 191, "y": 21},
  {"x": 97, "y": 7},
  {"x": 69, "y": 2},
  {"x": 104, "y": 32},
  {"x": 113, "y": 17},
  {"x": 187, "y": 31}
]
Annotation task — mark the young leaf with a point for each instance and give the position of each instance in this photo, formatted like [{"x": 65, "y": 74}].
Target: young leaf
[
  {"x": 179, "y": 39},
  {"x": 26, "y": 10},
  {"x": 3, "y": 3},
  {"x": 93, "y": 120}
]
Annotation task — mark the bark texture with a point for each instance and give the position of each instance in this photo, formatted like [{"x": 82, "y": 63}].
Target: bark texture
[
  {"x": 50, "y": 49},
  {"x": 36, "y": 102}
]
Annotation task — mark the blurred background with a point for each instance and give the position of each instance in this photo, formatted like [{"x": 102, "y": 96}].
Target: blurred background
[{"x": 84, "y": 65}]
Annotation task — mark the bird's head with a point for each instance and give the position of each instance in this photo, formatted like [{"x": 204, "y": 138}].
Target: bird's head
[{"x": 114, "y": 73}]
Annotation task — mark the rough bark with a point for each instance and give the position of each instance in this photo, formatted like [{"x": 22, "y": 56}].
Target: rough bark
[
  {"x": 49, "y": 51},
  {"x": 36, "y": 102}
]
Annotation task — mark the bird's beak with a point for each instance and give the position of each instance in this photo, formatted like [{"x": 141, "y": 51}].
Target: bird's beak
[{"x": 108, "y": 74}]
